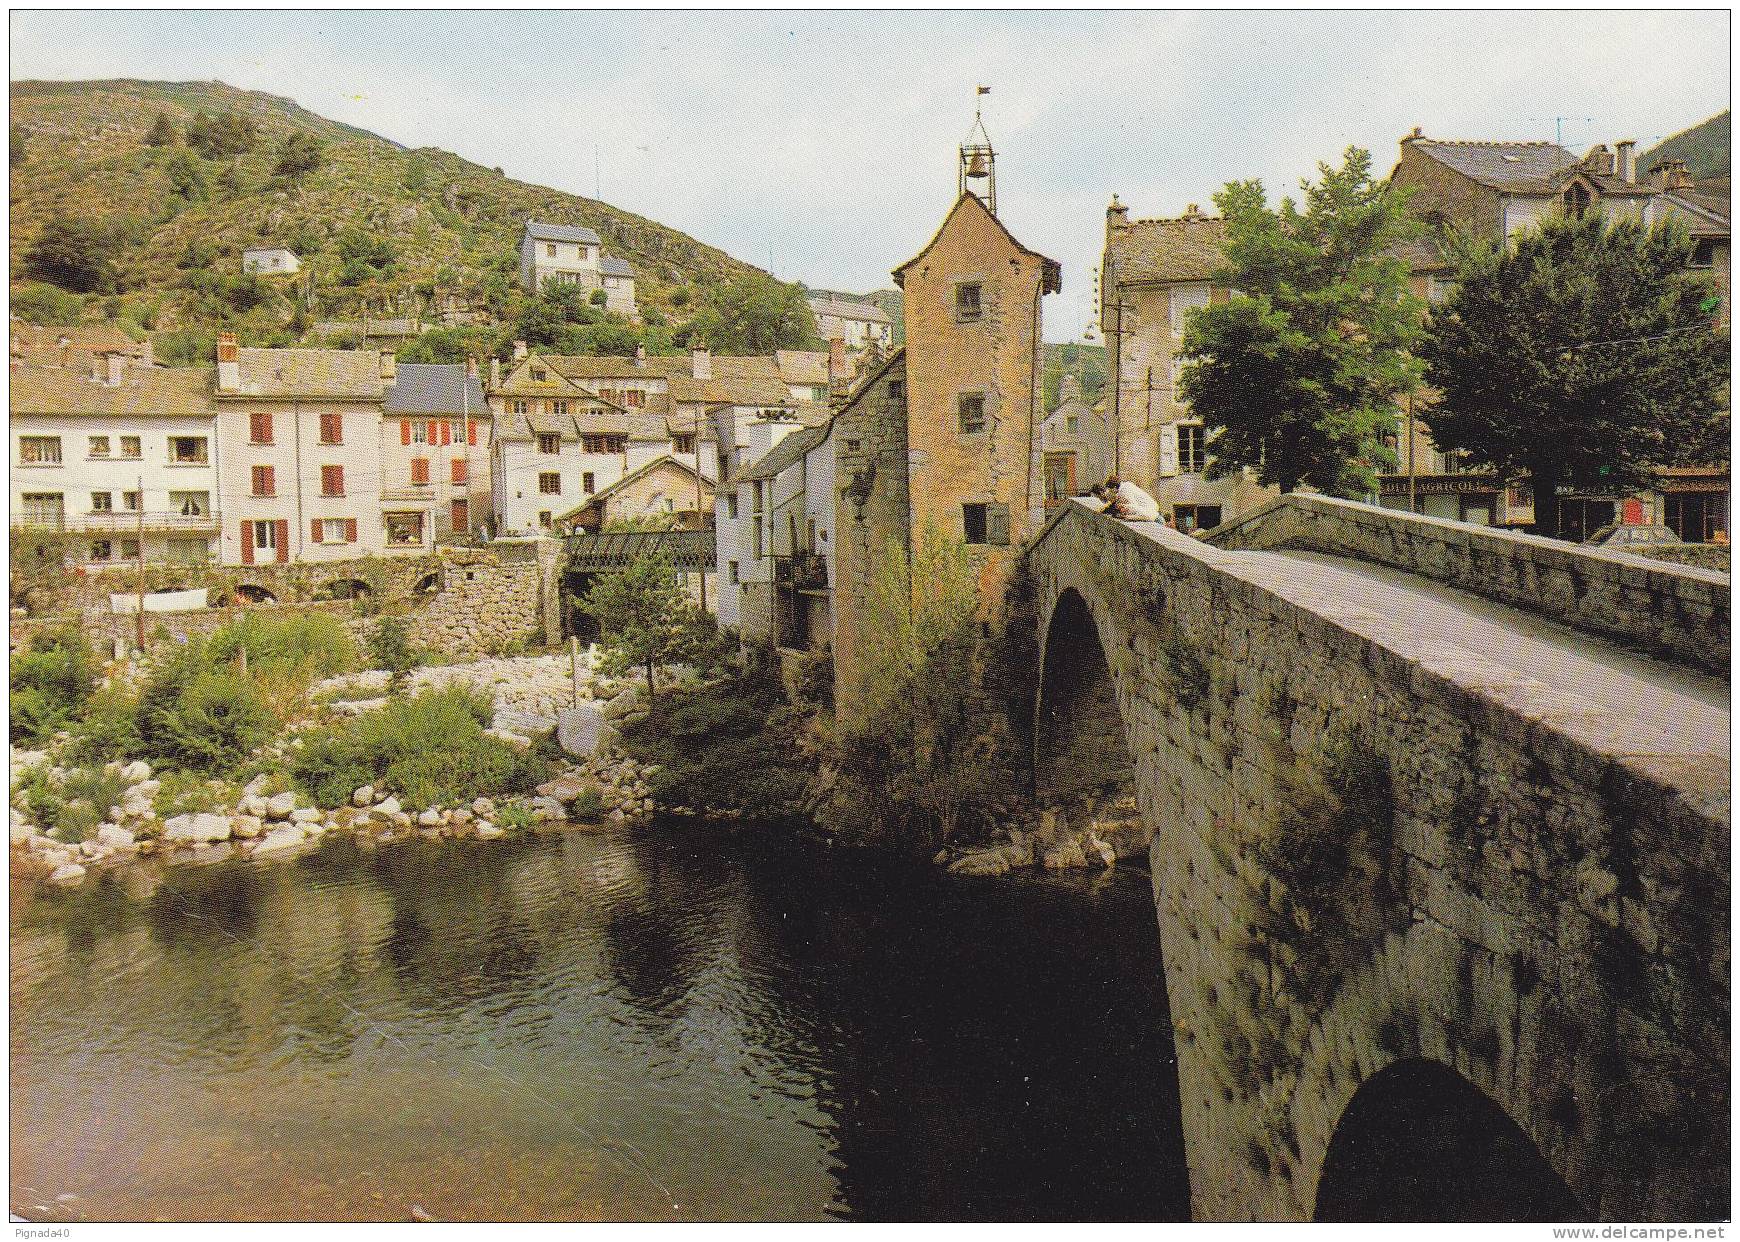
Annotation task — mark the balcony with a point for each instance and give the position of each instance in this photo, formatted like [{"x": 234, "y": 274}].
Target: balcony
[
  {"x": 802, "y": 571},
  {"x": 118, "y": 522}
]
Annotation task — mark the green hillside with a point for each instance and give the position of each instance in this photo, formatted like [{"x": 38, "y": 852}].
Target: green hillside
[
  {"x": 1704, "y": 148},
  {"x": 377, "y": 225}
]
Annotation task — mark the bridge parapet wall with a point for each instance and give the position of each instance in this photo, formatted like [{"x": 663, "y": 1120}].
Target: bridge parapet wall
[
  {"x": 1679, "y": 612},
  {"x": 1370, "y": 848}
]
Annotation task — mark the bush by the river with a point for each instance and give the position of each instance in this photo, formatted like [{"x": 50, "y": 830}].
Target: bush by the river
[
  {"x": 732, "y": 745},
  {"x": 311, "y": 645},
  {"x": 50, "y": 682},
  {"x": 430, "y": 749},
  {"x": 71, "y": 806},
  {"x": 196, "y": 715}
]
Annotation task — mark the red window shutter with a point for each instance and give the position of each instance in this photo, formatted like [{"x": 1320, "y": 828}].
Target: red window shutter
[
  {"x": 471, "y": 431},
  {"x": 283, "y": 532},
  {"x": 269, "y": 475},
  {"x": 419, "y": 470},
  {"x": 460, "y": 470},
  {"x": 313, "y": 530},
  {"x": 446, "y": 433},
  {"x": 404, "y": 431},
  {"x": 247, "y": 543},
  {"x": 350, "y": 530},
  {"x": 461, "y": 517}
]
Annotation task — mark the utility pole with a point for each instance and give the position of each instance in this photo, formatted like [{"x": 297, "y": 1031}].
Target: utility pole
[
  {"x": 1411, "y": 452},
  {"x": 700, "y": 517},
  {"x": 139, "y": 546}
]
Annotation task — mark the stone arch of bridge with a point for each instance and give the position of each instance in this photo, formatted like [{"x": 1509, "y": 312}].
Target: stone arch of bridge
[
  {"x": 1419, "y": 1142},
  {"x": 1082, "y": 752}
]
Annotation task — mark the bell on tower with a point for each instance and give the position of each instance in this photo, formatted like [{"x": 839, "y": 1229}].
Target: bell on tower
[{"x": 978, "y": 173}]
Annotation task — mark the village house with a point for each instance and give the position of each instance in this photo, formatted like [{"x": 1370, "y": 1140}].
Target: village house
[
  {"x": 574, "y": 254},
  {"x": 435, "y": 447},
  {"x": 121, "y": 456},
  {"x": 1494, "y": 190},
  {"x": 269, "y": 261},
  {"x": 1076, "y": 438},
  {"x": 664, "y": 493},
  {"x": 774, "y": 534},
  {"x": 76, "y": 347},
  {"x": 1154, "y": 272},
  {"x": 858, "y": 324}
]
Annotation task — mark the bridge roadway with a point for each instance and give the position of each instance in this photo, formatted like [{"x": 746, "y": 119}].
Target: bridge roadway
[{"x": 1666, "y": 709}]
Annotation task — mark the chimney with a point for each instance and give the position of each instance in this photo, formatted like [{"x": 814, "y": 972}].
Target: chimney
[
  {"x": 494, "y": 373},
  {"x": 701, "y": 362},
  {"x": 1627, "y": 149},
  {"x": 389, "y": 367},
  {"x": 470, "y": 367},
  {"x": 1117, "y": 216},
  {"x": 229, "y": 363},
  {"x": 640, "y": 355},
  {"x": 116, "y": 363},
  {"x": 519, "y": 351},
  {"x": 1414, "y": 135},
  {"x": 1671, "y": 175},
  {"x": 836, "y": 361},
  {"x": 147, "y": 354},
  {"x": 1193, "y": 212},
  {"x": 1599, "y": 160}
]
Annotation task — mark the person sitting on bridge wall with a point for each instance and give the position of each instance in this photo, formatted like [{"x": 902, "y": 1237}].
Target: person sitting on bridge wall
[{"x": 1130, "y": 502}]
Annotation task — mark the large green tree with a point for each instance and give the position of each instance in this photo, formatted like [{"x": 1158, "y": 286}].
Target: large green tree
[
  {"x": 1298, "y": 377},
  {"x": 298, "y": 155},
  {"x": 1585, "y": 354},
  {"x": 754, "y": 315},
  {"x": 73, "y": 254},
  {"x": 646, "y": 618}
]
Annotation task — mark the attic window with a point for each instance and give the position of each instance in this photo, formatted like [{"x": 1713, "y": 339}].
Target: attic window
[
  {"x": 968, "y": 308},
  {"x": 539, "y": 374}
]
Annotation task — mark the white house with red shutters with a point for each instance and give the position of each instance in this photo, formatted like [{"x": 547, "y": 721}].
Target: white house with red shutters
[{"x": 435, "y": 452}]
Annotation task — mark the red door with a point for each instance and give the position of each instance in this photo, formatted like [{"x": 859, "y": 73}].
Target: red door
[{"x": 1634, "y": 512}]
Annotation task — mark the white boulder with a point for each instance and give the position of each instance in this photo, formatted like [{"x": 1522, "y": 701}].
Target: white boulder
[
  {"x": 487, "y": 831},
  {"x": 364, "y": 796},
  {"x": 136, "y": 771},
  {"x": 279, "y": 806},
  {"x": 387, "y": 808},
  {"x": 283, "y": 837},
  {"x": 115, "y": 837},
  {"x": 67, "y": 874},
  {"x": 199, "y": 828},
  {"x": 246, "y": 827},
  {"x": 305, "y": 815}
]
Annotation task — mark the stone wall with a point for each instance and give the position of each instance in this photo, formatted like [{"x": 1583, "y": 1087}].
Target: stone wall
[
  {"x": 1368, "y": 851},
  {"x": 1678, "y": 612},
  {"x": 1714, "y": 556},
  {"x": 871, "y": 507}
]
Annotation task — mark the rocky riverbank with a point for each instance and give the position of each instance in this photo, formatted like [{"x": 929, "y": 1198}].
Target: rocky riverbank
[{"x": 1054, "y": 840}]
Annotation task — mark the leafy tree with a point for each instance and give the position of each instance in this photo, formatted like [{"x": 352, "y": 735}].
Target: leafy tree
[
  {"x": 73, "y": 254},
  {"x": 1298, "y": 378},
  {"x": 755, "y": 314},
  {"x": 390, "y": 648},
  {"x": 298, "y": 155},
  {"x": 17, "y": 148},
  {"x": 228, "y": 133},
  {"x": 646, "y": 618},
  {"x": 370, "y": 249},
  {"x": 1586, "y": 354},
  {"x": 186, "y": 177},
  {"x": 46, "y": 305},
  {"x": 161, "y": 133},
  {"x": 229, "y": 178}
]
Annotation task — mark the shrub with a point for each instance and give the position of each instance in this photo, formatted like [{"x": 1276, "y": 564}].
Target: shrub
[
  {"x": 193, "y": 715},
  {"x": 312, "y": 645},
  {"x": 390, "y": 648},
  {"x": 110, "y": 728},
  {"x": 44, "y": 304},
  {"x": 185, "y": 793},
  {"x": 514, "y": 818},
  {"x": 589, "y": 805},
  {"x": 76, "y": 821},
  {"x": 95, "y": 787},
  {"x": 429, "y": 748},
  {"x": 42, "y": 801},
  {"x": 50, "y": 683}
]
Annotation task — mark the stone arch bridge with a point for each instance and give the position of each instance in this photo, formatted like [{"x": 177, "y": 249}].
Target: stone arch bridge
[{"x": 1440, "y": 854}]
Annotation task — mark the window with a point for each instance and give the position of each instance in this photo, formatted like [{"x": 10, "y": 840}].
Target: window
[
  {"x": 101, "y": 550},
  {"x": 588, "y": 483},
  {"x": 634, "y": 398},
  {"x": 731, "y": 504},
  {"x": 683, "y": 444},
  {"x": 130, "y": 501},
  {"x": 419, "y": 470},
  {"x": 732, "y": 573},
  {"x": 1188, "y": 518},
  {"x": 130, "y": 447},
  {"x": 519, "y": 407},
  {"x": 548, "y": 443},
  {"x": 332, "y": 480},
  {"x": 461, "y": 470},
  {"x": 543, "y": 517},
  {"x": 972, "y": 412},
  {"x": 549, "y": 250},
  {"x": 332, "y": 530},
  {"x": 44, "y": 508},
  {"x": 99, "y": 446},
  {"x": 852, "y": 446},
  {"x": 967, "y": 303},
  {"x": 187, "y": 451},
  {"x": 265, "y": 484},
  {"x": 265, "y": 536},
  {"x": 1438, "y": 288},
  {"x": 190, "y": 504},
  {"x": 189, "y": 551},
  {"x": 39, "y": 450},
  {"x": 260, "y": 428},
  {"x": 755, "y": 537},
  {"x": 1072, "y": 424},
  {"x": 606, "y": 443},
  {"x": 129, "y": 549},
  {"x": 404, "y": 530},
  {"x": 102, "y": 502},
  {"x": 1704, "y": 255},
  {"x": 1191, "y": 459},
  {"x": 332, "y": 429},
  {"x": 985, "y": 523},
  {"x": 973, "y": 522},
  {"x": 550, "y": 483},
  {"x": 1576, "y": 199},
  {"x": 897, "y": 390},
  {"x": 559, "y": 408},
  {"x": 420, "y": 432}
]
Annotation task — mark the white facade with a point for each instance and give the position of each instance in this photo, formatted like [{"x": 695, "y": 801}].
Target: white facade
[
  {"x": 858, "y": 324},
  {"x": 102, "y": 478},
  {"x": 270, "y": 261}
]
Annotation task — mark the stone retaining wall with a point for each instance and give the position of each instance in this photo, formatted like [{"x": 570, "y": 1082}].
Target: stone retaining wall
[
  {"x": 1712, "y": 556},
  {"x": 1679, "y": 612},
  {"x": 1368, "y": 851}
]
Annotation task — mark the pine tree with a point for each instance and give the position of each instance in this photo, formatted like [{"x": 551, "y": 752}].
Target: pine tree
[
  {"x": 646, "y": 618},
  {"x": 161, "y": 133}
]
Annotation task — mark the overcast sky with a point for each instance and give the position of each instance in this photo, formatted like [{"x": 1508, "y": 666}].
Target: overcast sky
[{"x": 823, "y": 144}]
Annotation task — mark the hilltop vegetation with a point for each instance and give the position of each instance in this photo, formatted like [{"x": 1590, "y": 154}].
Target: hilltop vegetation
[
  {"x": 1704, "y": 148},
  {"x": 141, "y": 196}
]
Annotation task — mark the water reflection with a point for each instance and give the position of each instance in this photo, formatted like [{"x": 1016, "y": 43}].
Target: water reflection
[{"x": 680, "y": 1024}]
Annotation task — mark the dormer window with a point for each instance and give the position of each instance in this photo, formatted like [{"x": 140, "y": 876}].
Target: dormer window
[
  {"x": 539, "y": 374},
  {"x": 1577, "y": 199}
]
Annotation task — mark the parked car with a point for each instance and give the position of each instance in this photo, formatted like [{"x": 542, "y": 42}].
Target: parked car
[{"x": 1619, "y": 535}]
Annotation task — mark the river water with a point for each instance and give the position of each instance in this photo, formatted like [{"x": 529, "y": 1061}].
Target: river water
[{"x": 682, "y": 1023}]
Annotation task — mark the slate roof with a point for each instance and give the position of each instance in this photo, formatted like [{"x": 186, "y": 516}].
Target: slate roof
[
  {"x": 735, "y": 380},
  {"x": 1705, "y": 206},
  {"x": 41, "y": 346},
  {"x": 435, "y": 388},
  {"x": 786, "y": 453},
  {"x": 1523, "y": 167},
  {"x": 1157, "y": 251},
  {"x": 349, "y": 374},
  {"x": 801, "y": 366},
  {"x": 840, "y": 308},
  {"x": 169, "y": 391},
  {"x": 539, "y": 231},
  {"x": 1051, "y": 280},
  {"x": 610, "y": 265}
]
